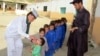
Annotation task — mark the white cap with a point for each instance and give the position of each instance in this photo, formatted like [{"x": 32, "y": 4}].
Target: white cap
[{"x": 35, "y": 13}]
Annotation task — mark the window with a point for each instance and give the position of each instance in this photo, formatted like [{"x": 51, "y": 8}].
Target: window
[
  {"x": 22, "y": 7},
  {"x": 45, "y": 8},
  {"x": 63, "y": 10}
]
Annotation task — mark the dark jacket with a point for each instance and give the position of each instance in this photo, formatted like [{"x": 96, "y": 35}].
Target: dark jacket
[{"x": 78, "y": 40}]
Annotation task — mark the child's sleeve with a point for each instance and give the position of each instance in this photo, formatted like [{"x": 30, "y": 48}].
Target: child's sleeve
[
  {"x": 32, "y": 46},
  {"x": 46, "y": 45},
  {"x": 37, "y": 50}
]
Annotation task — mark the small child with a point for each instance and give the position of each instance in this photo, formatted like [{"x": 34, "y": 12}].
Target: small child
[
  {"x": 41, "y": 35},
  {"x": 64, "y": 26},
  {"x": 46, "y": 27},
  {"x": 45, "y": 46},
  {"x": 36, "y": 47},
  {"x": 58, "y": 31},
  {"x": 51, "y": 40}
]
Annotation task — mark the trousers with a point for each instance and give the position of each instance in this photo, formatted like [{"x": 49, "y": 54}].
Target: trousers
[{"x": 14, "y": 46}]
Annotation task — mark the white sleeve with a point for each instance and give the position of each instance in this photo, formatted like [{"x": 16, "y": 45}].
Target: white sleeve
[{"x": 20, "y": 30}]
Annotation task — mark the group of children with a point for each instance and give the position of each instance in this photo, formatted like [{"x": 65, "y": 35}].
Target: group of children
[{"x": 51, "y": 38}]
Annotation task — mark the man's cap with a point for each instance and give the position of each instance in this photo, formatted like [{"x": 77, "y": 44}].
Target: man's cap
[
  {"x": 35, "y": 13},
  {"x": 76, "y": 1}
]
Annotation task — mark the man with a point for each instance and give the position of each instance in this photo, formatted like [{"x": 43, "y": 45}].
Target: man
[
  {"x": 78, "y": 39},
  {"x": 17, "y": 28}
]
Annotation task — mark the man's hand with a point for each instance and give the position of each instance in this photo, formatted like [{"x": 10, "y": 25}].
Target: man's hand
[
  {"x": 30, "y": 50},
  {"x": 73, "y": 29},
  {"x": 32, "y": 37}
]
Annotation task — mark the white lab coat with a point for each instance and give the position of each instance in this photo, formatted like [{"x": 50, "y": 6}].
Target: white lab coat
[{"x": 14, "y": 31}]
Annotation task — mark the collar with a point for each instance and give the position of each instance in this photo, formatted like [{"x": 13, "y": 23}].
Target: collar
[
  {"x": 81, "y": 10},
  {"x": 27, "y": 20}
]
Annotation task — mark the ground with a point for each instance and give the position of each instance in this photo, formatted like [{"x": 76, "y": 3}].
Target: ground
[{"x": 5, "y": 18}]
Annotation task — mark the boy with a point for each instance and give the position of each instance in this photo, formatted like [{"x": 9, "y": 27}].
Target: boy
[
  {"x": 45, "y": 46},
  {"x": 51, "y": 40},
  {"x": 63, "y": 33},
  {"x": 36, "y": 47},
  {"x": 46, "y": 27},
  {"x": 41, "y": 35},
  {"x": 65, "y": 21},
  {"x": 63, "y": 25},
  {"x": 58, "y": 31}
]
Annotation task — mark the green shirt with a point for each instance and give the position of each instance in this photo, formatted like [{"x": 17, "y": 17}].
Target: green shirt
[{"x": 36, "y": 50}]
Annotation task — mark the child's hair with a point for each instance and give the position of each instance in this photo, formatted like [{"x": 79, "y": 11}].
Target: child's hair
[
  {"x": 31, "y": 40},
  {"x": 58, "y": 21},
  {"x": 64, "y": 19},
  {"x": 42, "y": 41},
  {"x": 46, "y": 25},
  {"x": 52, "y": 22},
  {"x": 42, "y": 29}
]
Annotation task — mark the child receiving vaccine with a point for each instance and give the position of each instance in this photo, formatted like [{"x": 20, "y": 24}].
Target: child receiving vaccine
[
  {"x": 45, "y": 46},
  {"x": 41, "y": 34},
  {"x": 36, "y": 46}
]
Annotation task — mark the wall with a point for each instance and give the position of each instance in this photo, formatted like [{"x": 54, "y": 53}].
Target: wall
[
  {"x": 88, "y": 5},
  {"x": 96, "y": 30},
  {"x": 54, "y": 6},
  {"x": 98, "y": 9}
]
